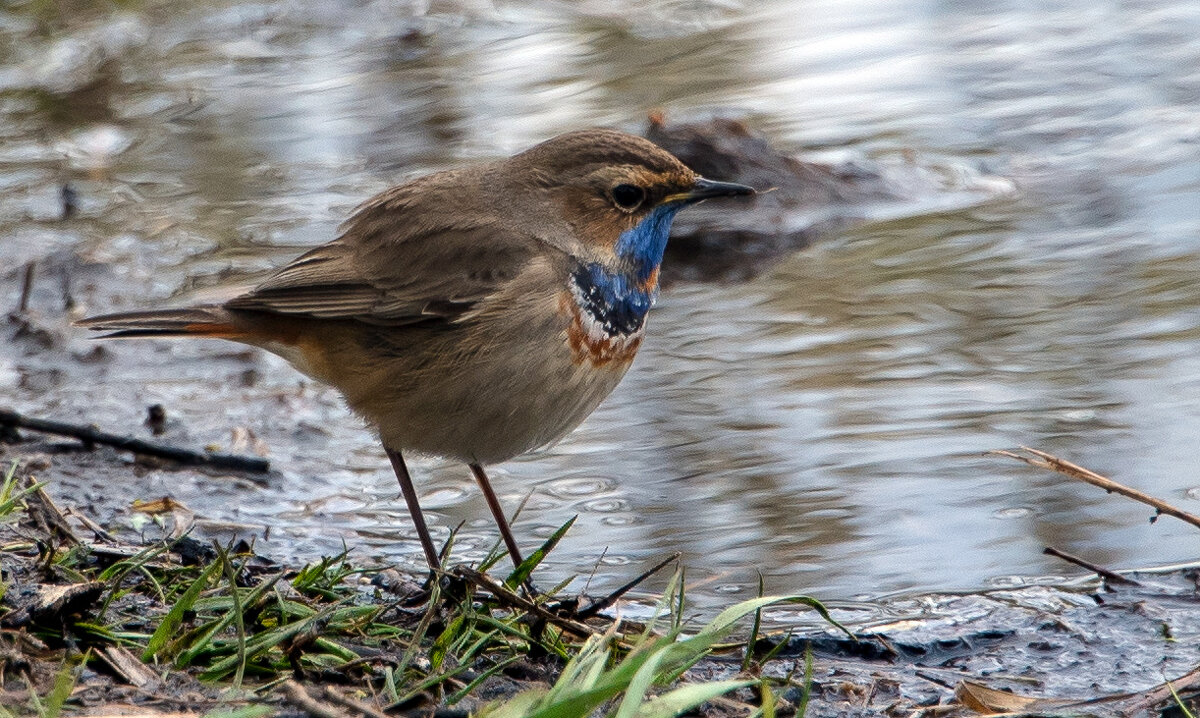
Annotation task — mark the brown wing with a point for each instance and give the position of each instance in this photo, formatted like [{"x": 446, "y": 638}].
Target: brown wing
[{"x": 384, "y": 272}]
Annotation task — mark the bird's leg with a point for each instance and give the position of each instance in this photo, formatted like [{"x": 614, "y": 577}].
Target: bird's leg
[
  {"x": 414, "y": 508},
  {"x": 497, "y": 513}
]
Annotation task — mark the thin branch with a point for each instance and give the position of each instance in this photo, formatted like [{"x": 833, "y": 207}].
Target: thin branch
[
  {"x": 26, "y": 287},
  {"x": 1110, "y": 576},
  {"x": 302, "y": 699},
  {"x": 48, "y": 517},
  {"x": 1162, "y": 694},
  {"x": 90, "y": 436},
  {"x": 509, "y": 597},
  {"x": 1066, "y": 468},
  {"x": 603, "y": 603},
  {"x": 345, "y": 701}
]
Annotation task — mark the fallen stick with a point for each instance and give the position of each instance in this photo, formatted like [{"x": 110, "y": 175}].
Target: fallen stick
[
  {"x": 26, "y": 287},
  {"x": 302, "y": 699},
  {"x": 1104, "y": 573},
  {"x": 1163, "y": 694},
  {"x": 603, "y": 603},
  {"x": 92, "y": 526},
  {"x": 507, "y": 596},
  {"x": 345, "y": 701},
  {"x": 1066, "y": 468},
  {"x": 129, "y": 667},
  {"x": 48, "y": 517},
  {"x": 90, "y": 436}
]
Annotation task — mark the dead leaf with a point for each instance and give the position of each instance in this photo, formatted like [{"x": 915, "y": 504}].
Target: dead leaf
[
  {"x": 988, "y": 701},
  {"x": 182, "y": 517}
]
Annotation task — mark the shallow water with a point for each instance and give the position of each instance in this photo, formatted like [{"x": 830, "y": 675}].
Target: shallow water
[{"x": 821, "y": 423}]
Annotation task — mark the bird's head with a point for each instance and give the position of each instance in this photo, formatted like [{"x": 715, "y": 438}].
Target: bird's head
[{"x": 615, "y": 195}]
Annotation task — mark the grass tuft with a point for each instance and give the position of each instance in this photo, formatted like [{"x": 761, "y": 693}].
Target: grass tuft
[
  {"x": 234, "y": 628},
  {"x": 12, "y": 498}
]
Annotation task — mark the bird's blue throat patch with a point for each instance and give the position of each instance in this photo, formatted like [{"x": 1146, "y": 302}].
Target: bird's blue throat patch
[
  {"x": 643, "y": 246},
  {"x": 613, "y": 301},
  {"x": 618, "y": 301}
]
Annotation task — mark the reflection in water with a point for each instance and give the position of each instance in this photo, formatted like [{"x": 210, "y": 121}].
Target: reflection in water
[{"x": 821, "y": 422}]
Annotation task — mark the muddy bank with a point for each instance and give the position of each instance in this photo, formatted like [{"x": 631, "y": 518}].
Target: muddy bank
[{"x": 1083, "y": 648}]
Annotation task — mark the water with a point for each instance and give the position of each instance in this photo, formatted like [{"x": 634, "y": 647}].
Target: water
[{"x": 821, "y": 423}]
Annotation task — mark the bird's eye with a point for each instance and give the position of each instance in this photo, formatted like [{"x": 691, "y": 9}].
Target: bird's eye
[{"x": 628, "y": 196}]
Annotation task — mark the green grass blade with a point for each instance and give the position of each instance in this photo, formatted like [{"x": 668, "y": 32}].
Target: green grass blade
[
  {"x": 201, "y": 643},
  {"x": 672, "y": 595},
  {"x": 635, "y": 693},
  {"x": 11, "y": 498},
  {"x": 479, "y": 679},
  {"x": 808, "y": 680},
  {"x": 522, "y": 572},
  {"x": 418, "y": 635},
  {"x": 492, "y": 557},
  {"x": 579, "y": 705},
  {"x": 754, "y": 629},
  {"x": 264, "y": 642},
  {"x": 64, "y": 684},
  {"x": 686, "y": 698},
  {"x": 727, "y": 618},
  {"x": 582, "y": 669},
  {"x": 768, "y": 700},
  {"x": 594, "y": 668},
  {"x": 518, "y": 706},
  {"x": 174, "y": 618},
  {"x": 441, "y": 644},
  {"x": 231, "y": 577},
  {"x": 1179, "y": 702}
]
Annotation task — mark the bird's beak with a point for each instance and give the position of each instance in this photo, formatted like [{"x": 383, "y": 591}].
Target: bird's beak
[{"x": 706, "y": 188}]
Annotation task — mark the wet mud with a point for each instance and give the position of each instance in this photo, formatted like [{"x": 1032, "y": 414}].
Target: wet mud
[{"x": 1085, "y": 648}]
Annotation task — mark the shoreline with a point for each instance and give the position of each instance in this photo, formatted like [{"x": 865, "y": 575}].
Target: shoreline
[{"x": 101, "y": 626}]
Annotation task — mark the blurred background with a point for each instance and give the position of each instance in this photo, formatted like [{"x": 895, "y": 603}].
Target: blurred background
[{"x": 1028, "y": 275}]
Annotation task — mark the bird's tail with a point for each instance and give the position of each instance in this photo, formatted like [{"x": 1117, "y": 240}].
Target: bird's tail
[{"x": 192, "y": 321}]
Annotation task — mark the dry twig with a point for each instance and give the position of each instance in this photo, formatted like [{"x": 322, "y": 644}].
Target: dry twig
[
  {"x": 90, "y": 436},
  {"x": 511, "y": 598},
  {"x": 302, "y": 699},
  {"x": 1104, "y": 573},
  {"x": 1043, "y": 460},
  {"x": 26, "y": 287},
  {"x": 337, "y": 696},
  {"x": 603, "y": 603},
  {"x": 48, "y": 517},
  {"x": 1163, "y": 694}
]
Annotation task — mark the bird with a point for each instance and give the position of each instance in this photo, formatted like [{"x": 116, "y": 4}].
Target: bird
[{"x": 474, "y": 314}]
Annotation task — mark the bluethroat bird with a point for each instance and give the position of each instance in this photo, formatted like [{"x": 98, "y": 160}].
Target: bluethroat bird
[{"x": 474, "y": 314}]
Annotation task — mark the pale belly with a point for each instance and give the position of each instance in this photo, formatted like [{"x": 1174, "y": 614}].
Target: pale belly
[
  {"x": 501, "y": 412},
  {"x": 483, "y": 396}
]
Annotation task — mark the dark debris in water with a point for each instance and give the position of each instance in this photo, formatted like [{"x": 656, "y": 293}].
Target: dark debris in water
[
  {"x": 800, "y": 200},
  {"x": 90, "y": 437},
  {"x": 792, "y": 210}
]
